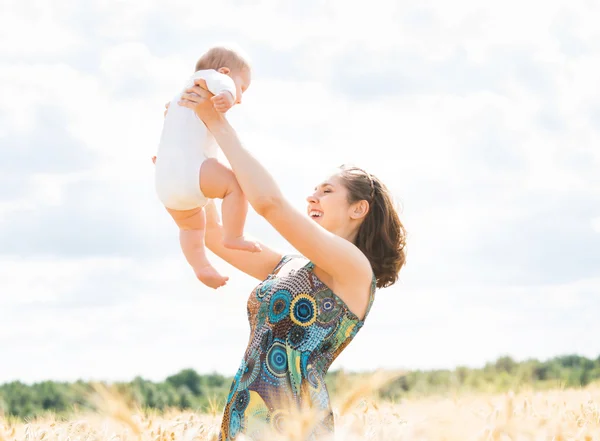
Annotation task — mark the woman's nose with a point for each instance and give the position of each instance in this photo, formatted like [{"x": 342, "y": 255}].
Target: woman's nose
[{"x": 311, "y": 199}]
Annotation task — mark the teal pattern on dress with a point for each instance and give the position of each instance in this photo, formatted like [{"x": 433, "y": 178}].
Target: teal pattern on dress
[{"x": 298, "y": 327}]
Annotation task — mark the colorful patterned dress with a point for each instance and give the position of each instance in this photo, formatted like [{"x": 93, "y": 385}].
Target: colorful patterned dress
[{"x": 298, "y": 326}]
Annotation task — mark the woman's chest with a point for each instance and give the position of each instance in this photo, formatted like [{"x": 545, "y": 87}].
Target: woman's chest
[{"x": 294, "y": 301}]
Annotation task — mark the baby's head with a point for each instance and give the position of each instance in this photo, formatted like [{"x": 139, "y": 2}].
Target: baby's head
[{"x": 228, "y": 62}]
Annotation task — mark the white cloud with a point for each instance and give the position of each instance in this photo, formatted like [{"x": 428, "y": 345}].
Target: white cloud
[
  {"x": 28, "y": 29},
  {"x": 596, "y": 224},
  {"x": 155, "y": 319},
  {"x": 485, "y": 134}
]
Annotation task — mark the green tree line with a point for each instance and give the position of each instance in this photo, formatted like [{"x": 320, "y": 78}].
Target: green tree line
[{"x": 188, "y": 390}]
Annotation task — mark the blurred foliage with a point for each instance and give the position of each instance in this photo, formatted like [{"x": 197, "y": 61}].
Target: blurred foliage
[{"x": 193, "y": 391}]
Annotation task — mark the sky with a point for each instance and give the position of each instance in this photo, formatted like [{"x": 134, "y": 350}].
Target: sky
[{"x": 483, "y": 118}]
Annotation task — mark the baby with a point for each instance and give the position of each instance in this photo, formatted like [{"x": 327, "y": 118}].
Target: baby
[{"x": 185, "y": 179}]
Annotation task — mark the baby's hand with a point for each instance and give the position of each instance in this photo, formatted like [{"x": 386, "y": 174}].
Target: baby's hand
[{"x": 223, "y": 101}]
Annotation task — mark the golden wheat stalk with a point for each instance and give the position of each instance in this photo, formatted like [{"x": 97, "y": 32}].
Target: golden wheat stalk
[
  {"x": 112, "y": 404},
  {"x": 371, "y": 384}
]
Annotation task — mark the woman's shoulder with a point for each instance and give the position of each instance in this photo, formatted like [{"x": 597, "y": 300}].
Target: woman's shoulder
[
  {"x": 355, "y": 299},
  {"x": 295, "y": 261}
]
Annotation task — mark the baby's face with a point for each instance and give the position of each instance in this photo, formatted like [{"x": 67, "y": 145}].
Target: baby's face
[{"x": 242, "y": 79}]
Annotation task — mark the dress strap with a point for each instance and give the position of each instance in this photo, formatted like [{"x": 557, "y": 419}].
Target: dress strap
[
  {"x": 371, "y": 295},
  {"x": 284, "y": 259}
]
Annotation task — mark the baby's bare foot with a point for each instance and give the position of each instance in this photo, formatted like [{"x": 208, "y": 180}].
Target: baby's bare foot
[
  {"x": 211, "y": 277},
  {"x": 241, "y": 243}
]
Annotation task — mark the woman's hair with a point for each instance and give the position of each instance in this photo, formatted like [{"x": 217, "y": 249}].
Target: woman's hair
[{"x": 381, "y": 236}]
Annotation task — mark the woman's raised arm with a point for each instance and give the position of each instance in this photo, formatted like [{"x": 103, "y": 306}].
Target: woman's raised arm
[
  {"x": 258, "y": 265},
  {"x": 335, "y": 255}
]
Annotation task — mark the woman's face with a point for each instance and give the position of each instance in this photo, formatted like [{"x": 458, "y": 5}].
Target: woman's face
[{"x": 329, "y": 206}]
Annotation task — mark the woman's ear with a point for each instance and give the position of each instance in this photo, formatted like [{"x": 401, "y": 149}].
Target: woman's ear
[{"x": 359, "y": 209}]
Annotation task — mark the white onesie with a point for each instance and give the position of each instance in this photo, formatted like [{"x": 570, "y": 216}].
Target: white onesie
[{"x": 185, "y": 143}]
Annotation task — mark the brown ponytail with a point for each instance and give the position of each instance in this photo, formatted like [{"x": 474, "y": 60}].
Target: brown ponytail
[{"x": 381, "y": 236}]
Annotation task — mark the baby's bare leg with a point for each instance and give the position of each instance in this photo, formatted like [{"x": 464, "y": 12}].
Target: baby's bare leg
[
  {"x": 219, "y": 182},
  {"x": 191, "y": 225}
]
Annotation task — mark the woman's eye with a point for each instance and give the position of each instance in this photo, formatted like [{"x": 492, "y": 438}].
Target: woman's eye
[{"x": 326, "y": 191}]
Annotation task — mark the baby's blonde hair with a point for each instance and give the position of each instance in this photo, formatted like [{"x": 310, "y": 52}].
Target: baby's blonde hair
[{"x": 221, "y": 56}]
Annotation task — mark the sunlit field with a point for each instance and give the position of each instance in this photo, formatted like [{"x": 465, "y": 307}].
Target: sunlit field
[{"x": 550, "y": 415}]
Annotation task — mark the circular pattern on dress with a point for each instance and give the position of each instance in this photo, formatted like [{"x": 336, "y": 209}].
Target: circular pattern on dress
[
  {"x": 266, "y": 340},
  {"x": 328, "y": 304},
  {"x": 332, "y": 330},
  {"x": 236, "y": 381},
  {"x": 278, "y": 420},
  {"x": 257, "y": 408},
  {"x": 296, "y": 336},
  {"x": 303, "y": 310},
  {"x": 297, "y": 325},
  {"x": 235, "y": 424},
  {"x": 277, "y": 359},
  {"x": 330, "y": 308},
  {"x": 326, "y": 346},
  {"x": 251, "y": 370},
  {"x": 279, "y": 306},
  {"x": 241, "y": 401},
  {"x": 263, "y": 289}
]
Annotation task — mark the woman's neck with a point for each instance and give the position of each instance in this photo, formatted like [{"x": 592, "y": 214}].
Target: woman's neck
[{"x": 349, "y": 233}]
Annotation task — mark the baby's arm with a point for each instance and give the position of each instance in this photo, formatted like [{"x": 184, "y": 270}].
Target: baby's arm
[{"x": 223, "y": 87}]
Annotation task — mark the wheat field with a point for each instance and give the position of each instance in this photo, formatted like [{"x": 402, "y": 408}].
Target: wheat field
[{"x": 558, "y": 415}]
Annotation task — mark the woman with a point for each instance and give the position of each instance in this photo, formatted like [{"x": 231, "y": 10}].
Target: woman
[{"x": 306, "y": 309}]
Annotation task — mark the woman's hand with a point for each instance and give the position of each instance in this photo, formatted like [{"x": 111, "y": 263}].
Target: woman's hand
[{"x": 198, "y": 98}]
